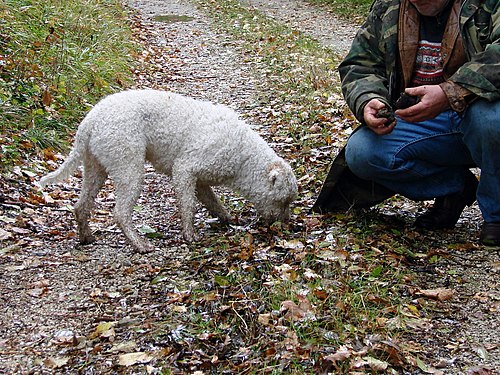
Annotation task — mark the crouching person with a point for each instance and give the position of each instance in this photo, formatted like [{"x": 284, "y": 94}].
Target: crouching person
[{"x": 445, "y": 54}]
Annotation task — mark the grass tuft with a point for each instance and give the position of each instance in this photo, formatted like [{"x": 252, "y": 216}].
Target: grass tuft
[
  {"x": 355, "y": 10},
  {"x": 57, "y": 58}
]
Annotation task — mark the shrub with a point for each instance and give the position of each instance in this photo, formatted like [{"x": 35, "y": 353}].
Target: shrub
[{"x": 56, "y": 59}]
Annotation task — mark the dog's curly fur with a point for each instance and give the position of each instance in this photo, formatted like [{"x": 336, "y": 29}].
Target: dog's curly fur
[{"x": 197, "y": 143}]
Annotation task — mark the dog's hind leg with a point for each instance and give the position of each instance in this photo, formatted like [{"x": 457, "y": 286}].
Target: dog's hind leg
[
  {"x": 128, "y": 187},
  {"x": 94, "y": 177},
  {"x": 207, "y": 197}
]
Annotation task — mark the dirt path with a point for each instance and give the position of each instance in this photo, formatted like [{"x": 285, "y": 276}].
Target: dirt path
[
  {"x": 54, "y": 295},
  {"x": 467, "y": 319},
  {"x": 324, "y": 26},
  {"x": 191, "y": 57}
]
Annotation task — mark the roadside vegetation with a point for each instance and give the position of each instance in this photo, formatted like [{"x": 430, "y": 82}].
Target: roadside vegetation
[
  {"x": 57, "y": 58},
  {"x": 336, "y": 294},
  {"x": 354, "y": 9}
]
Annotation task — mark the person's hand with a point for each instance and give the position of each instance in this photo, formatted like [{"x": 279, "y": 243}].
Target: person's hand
[
  {"x": 433, "y": 101},
  {"x": 378, "y": 125}
]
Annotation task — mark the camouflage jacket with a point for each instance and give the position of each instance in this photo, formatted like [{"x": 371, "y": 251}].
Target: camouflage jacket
[{"x": 380, "y": 62}]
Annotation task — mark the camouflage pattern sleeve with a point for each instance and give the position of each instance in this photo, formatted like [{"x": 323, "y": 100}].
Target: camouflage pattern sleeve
[
  {"x": 480, "y": 22},
  {"x": 370, "y": 66},
  {"x": 365, "y": 70}
]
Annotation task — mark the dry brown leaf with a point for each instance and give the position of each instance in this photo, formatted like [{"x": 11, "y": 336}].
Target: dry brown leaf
[
  {"x": 264, "y": 319},
  {"x": 46, "y": 97},
  {"x": 105, "y": 329},
  {"x": 440, "y": 294},
  {"x": 341, "y": 354},
  {"x": 131, "y": 359},
  {"x": 296, "y": 312},
  {"x": 292, "y": 311},
  {"x": 125, "y": 347},
  {"x": 56, "y": 362},
  {"x": 65, "y": 337}
]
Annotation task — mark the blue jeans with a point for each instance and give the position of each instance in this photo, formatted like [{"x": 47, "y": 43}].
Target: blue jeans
[{"x": 430, "y": 159}]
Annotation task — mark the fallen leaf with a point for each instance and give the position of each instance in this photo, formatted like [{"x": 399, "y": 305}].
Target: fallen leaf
[
  {"x": 5, "y": 235},
  {"x": 222, "y": 281},
  {"x": 309, "y": 274},
  {"x": 440, "y": 294},
  {"x": 56, "y": 362},
  {"x": 38, "y": 292},
  {"x": 295, "y": 312},
  {"x": 376, "y": 364},
  {"x": 291, "y": 341},
  {"x": 341, "y": 354},
  {"x": 292, "y": 245},
  {"x": 264, "y": 319},
  {"x": 179, "y": 308},
  {"x": 338, "y": 255},
  {"x": 149, "y": 231},
  {"x": 65, "y": 337},
  {"x": 105, "y": 329},
  {"x": 480, "y": 370},
  {"x": 287, "y": 272},
  {"x": 125, "y": 347},
  {"x": 10, "y": 249},
  {"x": 320, "y": 294},
  {"x": 481, "y": 351},
  {"x": 131, "y": 359},
  {"x": 46, "y": 97}
]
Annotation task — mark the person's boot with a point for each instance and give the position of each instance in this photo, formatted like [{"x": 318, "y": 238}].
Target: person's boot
[
  {"x": 446, "y": 210},
  {"x": 490, "y": 234}
]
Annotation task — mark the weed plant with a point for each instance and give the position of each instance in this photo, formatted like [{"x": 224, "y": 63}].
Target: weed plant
[
  {"x": 352, "y": 9},
  {"x": 57, "y": 58},
  {"x": 346, "y": 281}
]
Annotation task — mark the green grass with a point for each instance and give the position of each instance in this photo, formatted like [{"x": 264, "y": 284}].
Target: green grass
[
  {"x": 352, "y": 9},
  {"x": 347, "y": 292},
  {"x": 57, "y": 58}
]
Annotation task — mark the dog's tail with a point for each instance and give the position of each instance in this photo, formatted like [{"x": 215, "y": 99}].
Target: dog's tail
[{"x": 74, "y": 159}]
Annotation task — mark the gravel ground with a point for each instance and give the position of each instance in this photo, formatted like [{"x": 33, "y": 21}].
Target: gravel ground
[
  {"x": 192, "y": 58},
  {"x": 52, "y": 291},
  {"x": 463, "y": 325},
  {"x": 322, "y": 25}
]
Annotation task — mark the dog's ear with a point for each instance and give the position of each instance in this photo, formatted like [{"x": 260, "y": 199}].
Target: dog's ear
[
  {"x": 282, "y": 180},
  {"x": 274, "y": 173}
]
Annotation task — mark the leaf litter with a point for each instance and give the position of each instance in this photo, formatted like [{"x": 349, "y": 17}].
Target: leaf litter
[{"x": 343, "y": 293}]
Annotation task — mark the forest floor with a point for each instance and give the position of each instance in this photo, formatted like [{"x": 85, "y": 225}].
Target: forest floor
[{"x": 234, "y": 303}]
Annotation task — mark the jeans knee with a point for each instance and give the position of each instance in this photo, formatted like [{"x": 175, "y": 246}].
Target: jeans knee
[
  {"x": 481, "y": 121},
  {"x": 481, "y": 128},
  {"x": 359, "y": 157}
]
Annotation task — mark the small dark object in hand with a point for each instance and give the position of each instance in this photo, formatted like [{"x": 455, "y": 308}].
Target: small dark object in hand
[
  {"x": 403, "y": 102},
  {"x": 388, "y": 113},
  {"x": 406, "y": 101}
]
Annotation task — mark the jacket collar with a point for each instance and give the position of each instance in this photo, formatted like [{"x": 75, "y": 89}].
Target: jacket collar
[{"x": 408, "y": 37}]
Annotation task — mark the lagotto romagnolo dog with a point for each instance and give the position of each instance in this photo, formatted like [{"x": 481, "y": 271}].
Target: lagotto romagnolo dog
[{"x": 197, "y": 143}]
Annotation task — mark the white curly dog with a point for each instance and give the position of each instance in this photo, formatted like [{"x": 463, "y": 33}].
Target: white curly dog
[{"x": 197, "y": 143}]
